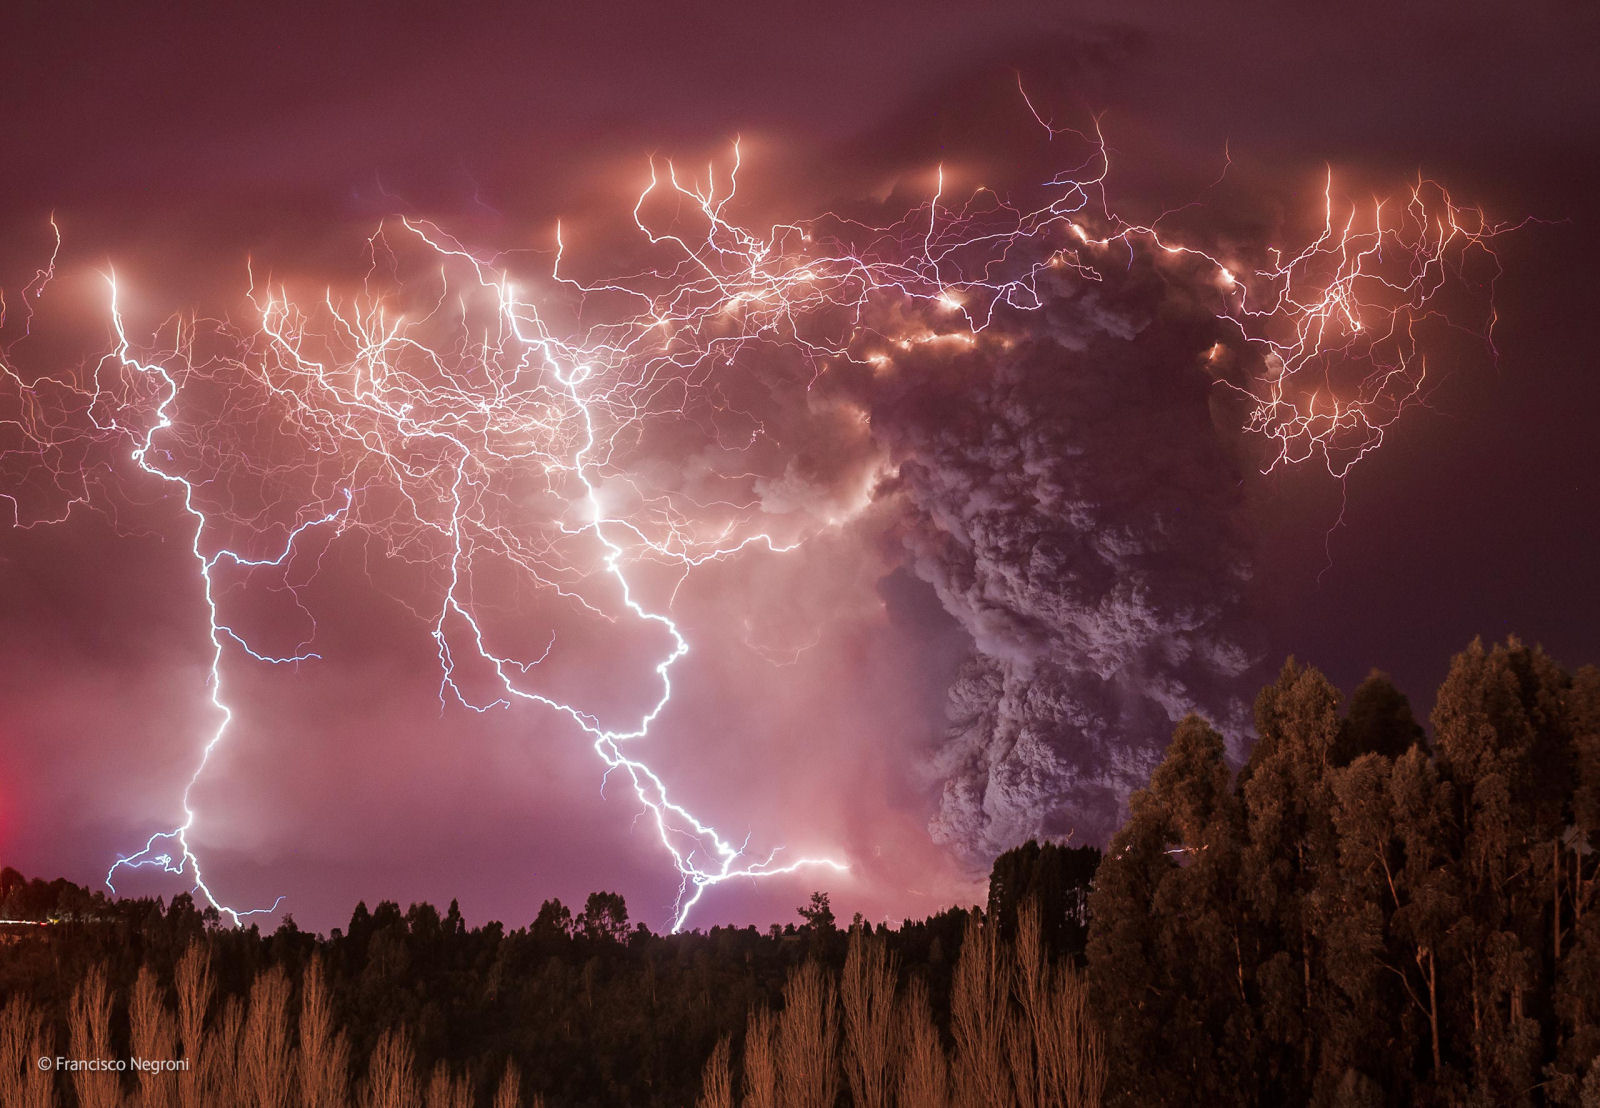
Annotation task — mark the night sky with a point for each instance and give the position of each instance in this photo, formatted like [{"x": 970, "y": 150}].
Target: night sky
[{"x": 815, "y": 709}]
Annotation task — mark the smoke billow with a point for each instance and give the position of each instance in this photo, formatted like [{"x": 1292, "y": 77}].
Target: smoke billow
[{"x": 1072, "y": 493}]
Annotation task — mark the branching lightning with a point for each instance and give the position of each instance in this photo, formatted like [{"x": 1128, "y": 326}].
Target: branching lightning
[{"x": 473, "y": 430}]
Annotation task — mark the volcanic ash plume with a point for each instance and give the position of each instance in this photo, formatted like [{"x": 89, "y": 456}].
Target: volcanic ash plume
[{"x": 1074, "y": 504}]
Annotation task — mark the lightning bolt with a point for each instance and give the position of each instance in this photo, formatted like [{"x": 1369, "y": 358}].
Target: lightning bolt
[
  {"x": 158, "y": 849},
  {"x": 426, "y": 415}
]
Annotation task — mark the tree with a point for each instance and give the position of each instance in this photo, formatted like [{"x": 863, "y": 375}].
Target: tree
[
  {"x": 604, "y": 918},
  {"x": 553, "y": 921},
  {"x": 818, "y": 914},
  {"x": 454, "y": 925},
  {"x": 1378, "y": 721},
  {"x": 1503, "y": 741},
  {"x": 1577, "y": 928},
  {"x": 1058, "y": 877},
  {"x": 807, "y": 1038},
  {"x": 1168, "y": 942},
  {"x": 867, "y": 995},
  {"x": 1363, "y": 967},
  {"x": 1288, "y": 844},
  {"x": 1428, "y": 923},
  {"x": 1398, "y": 905}
]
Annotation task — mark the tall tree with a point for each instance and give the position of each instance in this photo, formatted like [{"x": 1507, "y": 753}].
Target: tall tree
[
  {"x": 1289, "y": 847},
  {"x": 1168, "y": 948},
  {"x": 1366, "y": 999},
  {"x": 1576, "y": 935},
  {"x": 1503, "y": 741}
]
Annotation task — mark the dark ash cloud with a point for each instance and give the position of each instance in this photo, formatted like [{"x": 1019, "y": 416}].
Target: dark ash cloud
[{"x": 1072, "y": 491}]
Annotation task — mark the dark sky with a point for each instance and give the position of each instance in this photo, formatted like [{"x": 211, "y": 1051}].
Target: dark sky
[{"x": 174, "y": 143}]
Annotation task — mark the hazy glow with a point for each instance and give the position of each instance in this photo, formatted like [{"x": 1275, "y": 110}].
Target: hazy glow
[{"x": 490, "y": 435}]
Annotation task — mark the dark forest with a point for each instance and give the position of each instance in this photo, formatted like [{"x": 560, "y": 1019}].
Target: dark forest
[{"x": 1363, "y": 913}]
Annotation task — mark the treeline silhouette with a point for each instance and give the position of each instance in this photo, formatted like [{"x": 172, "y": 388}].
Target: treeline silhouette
[
  {"x": 1358, "y": 915},
  {"x": 580, "y": 1008}
]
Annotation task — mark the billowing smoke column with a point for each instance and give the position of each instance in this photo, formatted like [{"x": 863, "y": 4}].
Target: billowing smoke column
[
  {"x": 1074, "y": 503},
  {"x": 1036, "y": 392}
]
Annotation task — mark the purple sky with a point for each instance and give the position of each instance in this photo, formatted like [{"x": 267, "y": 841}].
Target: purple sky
[{"x": 174, "y": 148}]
